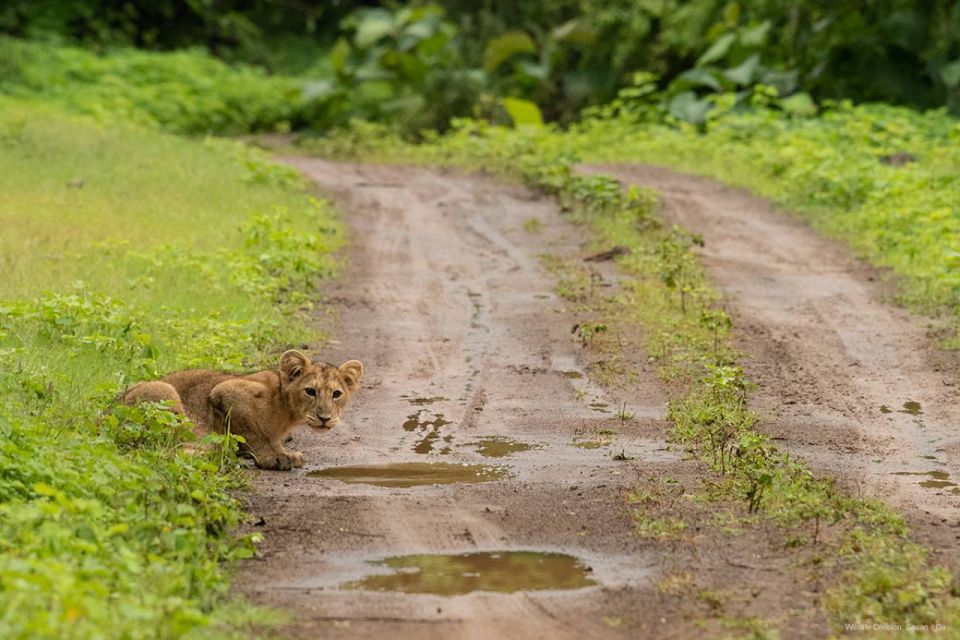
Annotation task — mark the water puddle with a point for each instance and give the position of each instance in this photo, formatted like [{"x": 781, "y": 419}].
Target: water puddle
[
  {"x": 589, "y": 444},
  {"x": 912, "y": 408},
  {"x": 412, "y": 474},
  {"x": 496, "y": 447},
  {"x": 418, "y": 421},
  {"x": 426, "y": 443},
  {"x": 938, "y": 479},
  {"x": 457, "y": 574},
  {"x": 423, "y": 401}
]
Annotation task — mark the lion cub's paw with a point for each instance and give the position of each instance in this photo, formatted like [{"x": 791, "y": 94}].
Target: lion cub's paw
[
  {"x": 282, "y": 461},
  {"x": 296, "y": 458}
]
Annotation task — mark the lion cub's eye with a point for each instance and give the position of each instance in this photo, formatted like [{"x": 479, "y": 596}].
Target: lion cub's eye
[
  {"x": 311, "y": 392},
  {"x": 337, "y": 393}
]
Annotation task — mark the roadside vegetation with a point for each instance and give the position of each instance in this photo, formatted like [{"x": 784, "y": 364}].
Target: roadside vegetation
[{"x": 128, "y": 253}]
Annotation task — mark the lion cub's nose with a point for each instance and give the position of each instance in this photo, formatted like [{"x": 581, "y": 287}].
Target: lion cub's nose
[{"x": 323, "y": 420}]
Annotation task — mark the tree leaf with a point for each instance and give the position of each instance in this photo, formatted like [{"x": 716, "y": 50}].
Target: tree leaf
[
  {"x": 743, "y": 73},
  {"x": 950, "y": 73},
  {"x": 522, "y": 112},
  {"x": 688, "y": 107},
  {"x": 718, "y": 50},
  {"x": 504, "y": 47},
  {"x": 697, "y": 77}
]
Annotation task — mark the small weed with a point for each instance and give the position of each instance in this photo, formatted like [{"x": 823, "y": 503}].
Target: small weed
[
  {"x": 533, "y": 225},
  {"x": 676, "y": 583},
  {"x": 665, "y": 528}
]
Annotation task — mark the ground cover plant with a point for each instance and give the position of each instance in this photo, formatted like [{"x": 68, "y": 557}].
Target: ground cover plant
[
  {"x": 127, "y": 253},
  {"x": 876, "y": 574}
]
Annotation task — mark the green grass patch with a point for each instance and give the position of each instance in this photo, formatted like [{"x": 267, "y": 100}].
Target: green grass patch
[
  {"x": 127, "y": 253},
  {"x": 184, "y": 91},
  {"x": 885, "y": 180}
]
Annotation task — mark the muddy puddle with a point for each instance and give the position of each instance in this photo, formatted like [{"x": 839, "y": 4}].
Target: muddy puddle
[
  {"x": 412, "y": 474},
  {"x": 458, "y": 574},
  {"x": 497, "y": 447},
  {"x": 937, "y": 479},
  {"x": 421, "y": 401},
  {"x": 909, "y": 407},
  {"x": 419, "y": 421}
]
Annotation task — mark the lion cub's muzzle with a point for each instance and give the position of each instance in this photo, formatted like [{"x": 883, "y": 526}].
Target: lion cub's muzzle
[{"x": 321, "y": 423}]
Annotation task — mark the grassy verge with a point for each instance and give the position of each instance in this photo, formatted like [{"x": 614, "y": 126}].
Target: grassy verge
[
  {"x": 861, "y": 547},
  {"x": 183, "y": 92},
  {"x": 883, "y": 179},
  {"x": 127, "y": 253}
]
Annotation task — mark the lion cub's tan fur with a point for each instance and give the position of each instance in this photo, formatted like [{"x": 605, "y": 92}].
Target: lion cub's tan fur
[{"x": 262, "y": 407}]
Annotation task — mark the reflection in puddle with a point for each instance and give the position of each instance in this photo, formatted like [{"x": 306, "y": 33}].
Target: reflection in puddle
[
  {"x": 939, "y": 479},
  {"x": 411, "y": 474},
  {"x": 496, "y": 447},
  {"x": 457, "y": 574}
]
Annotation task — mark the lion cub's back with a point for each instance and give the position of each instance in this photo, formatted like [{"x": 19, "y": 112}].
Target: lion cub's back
[{"x": 194, "y": 387}]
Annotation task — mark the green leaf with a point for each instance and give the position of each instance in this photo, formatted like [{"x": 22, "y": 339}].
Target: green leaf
[
  {"x": 374, "y": 24},
  {"x": 799, "y": 104},
  {"x": 743, "y": 74},
  {"x": 522, "y": 112},
  {"x": 338, "y": 55},
  {"x": 698, "y": 78},
  {"x": 718, "y": 50},
  {"x": 575, "y": 31},
  {"x": 950, "y": 73},
  {"x": 502, "y": 48},
  {"x": 755, "y": 36},
  {"x": 688, "y": 107}
]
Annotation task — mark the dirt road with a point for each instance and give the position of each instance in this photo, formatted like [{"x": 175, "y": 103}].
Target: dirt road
[
  {"x": 447, "y": 305},
  {"x": 469, "y": 355},
  {"x": 844, "y": 378}
]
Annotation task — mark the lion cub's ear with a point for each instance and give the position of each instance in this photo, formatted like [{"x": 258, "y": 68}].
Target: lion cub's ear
[
  {"x": 292, "y": 364},
  {"x": 351, "y": 371}
]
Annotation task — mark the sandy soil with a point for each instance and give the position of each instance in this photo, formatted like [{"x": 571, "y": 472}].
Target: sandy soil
[{"x": 446, "y": 297}]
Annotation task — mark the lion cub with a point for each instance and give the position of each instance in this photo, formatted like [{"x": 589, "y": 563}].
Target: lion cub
[{"x": 262, "y": 407}]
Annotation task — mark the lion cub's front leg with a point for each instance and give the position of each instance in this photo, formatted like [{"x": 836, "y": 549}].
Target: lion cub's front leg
[{"x": 236, "y": 402}]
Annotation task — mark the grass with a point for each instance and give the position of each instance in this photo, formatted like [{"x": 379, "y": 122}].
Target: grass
[
  {"x": 883, "y": 179},
  {"x": 127, "y": 253},
  {"x": 876, "y": 574},
  {"x": 183, "y": 91}
]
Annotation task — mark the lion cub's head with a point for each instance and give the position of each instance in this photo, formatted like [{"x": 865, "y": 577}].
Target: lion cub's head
[{"x": 318, "y": 392}]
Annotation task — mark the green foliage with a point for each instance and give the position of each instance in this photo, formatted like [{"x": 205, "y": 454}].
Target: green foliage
[
  {"x": 184, "y": 92},
  {"x": 108, "y": 526},
  {"x": 397, "y": 65},
  {"x": 884, "y": 179}
]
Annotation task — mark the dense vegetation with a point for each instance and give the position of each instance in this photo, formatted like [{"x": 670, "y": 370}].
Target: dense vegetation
[
  {"x": 127, "y": 253},
  {"x": 418, "y": 64}
]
